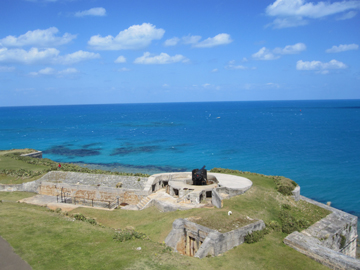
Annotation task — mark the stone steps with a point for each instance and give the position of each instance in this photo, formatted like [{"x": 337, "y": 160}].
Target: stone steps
[{"x": 141, "y": 205}]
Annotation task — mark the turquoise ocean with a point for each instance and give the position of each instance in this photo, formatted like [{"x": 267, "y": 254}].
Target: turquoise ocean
[{"x": 315, "y": 143}]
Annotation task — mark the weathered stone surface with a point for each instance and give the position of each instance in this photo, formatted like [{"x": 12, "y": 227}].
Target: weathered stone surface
[
  {"x": 330, "y": 241},
  {"x": 96, "y": 193},
  {"x": 296, "y": 193},
  {"x": 216, "y": 199},
  {"x": 129, "y": 182},
  {"x": 37, "y": 154},
  {"x": 313, "y": 248},
  {"x": 211, "y": 242}
]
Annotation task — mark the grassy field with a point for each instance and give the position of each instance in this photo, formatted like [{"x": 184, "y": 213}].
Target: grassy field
[{"x": 54, "y": 240}]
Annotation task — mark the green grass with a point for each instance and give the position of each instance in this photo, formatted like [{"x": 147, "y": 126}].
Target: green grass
[{"x": 49, "y": 240}]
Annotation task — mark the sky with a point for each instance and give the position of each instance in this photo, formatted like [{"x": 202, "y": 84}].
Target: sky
[{"x": 63, "y": 52}]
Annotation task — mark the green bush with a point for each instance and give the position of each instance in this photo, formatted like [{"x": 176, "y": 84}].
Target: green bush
[
  {"x": 126, "y": 235},
  {"x": 286, "y": 206},
  {"x": 80, "y": 217},
  {"x": 285, "y": 190},
  {"x": 274, "y": 225},
  {"x": 255, "y": 236}
]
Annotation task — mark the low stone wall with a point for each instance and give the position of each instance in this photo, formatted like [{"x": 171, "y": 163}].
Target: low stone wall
[
  {"x": 313, "y": 248},
  {"x": 192, "y": 239},
  {"x": 37, "y": 154},
  {"x": 330, "y": 241},
  {"x": 98, "y": 193},
  {"x": 28, "y": 187},
  {"x": 129, "y": 182}
]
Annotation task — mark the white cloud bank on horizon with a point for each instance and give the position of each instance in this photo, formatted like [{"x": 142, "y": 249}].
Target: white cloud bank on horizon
[
  {"x": 194, "y": 41},
  {"x": 266, "y": 54},
  {"x": 323, "y": 68},
  {"x": 50, "y": 55},
  {"x": 38, "y": 38},
  {"x": 51, "y": 71},
  {"x": 342, "y": 48},
  {"x": 162, "y": 58},
  {"x": 134, "y": 38},
  {"x": 98, "y": 11},
  {"x": 291, "y": 13}
]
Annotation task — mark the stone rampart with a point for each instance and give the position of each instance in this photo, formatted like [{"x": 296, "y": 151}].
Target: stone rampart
[
  {"x": 192, "y": 239},
  {"x": 330, "y": 241},
  {"x": 37, "y": 154},
  {"x": 129, "y": 182},
  {"x": 98, "y": 193}
]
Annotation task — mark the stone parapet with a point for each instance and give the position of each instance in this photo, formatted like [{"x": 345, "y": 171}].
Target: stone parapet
[
  {"x": 37, "y": 154},
  {"x": 313, "y": 248}
]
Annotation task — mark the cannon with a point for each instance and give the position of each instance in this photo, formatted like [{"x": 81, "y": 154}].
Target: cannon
[{"x": 199, "y": 176}]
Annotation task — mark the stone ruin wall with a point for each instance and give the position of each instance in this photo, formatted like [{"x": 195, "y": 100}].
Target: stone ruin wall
[
  {"x": 330, "y": 241},
  {"x": 191, "y": 239},
  {"x": 92, "y": 192}
]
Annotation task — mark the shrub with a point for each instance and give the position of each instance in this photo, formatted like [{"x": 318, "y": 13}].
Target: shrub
[
  {"x": 80, "y": 217},
  {"x": 286, "y": 206},
  {"x": 126, "y": 235},
  {"x": 285, "y": 190},
  {"x": 255, "y": 236},
  {"x": 274, "y": 225}
]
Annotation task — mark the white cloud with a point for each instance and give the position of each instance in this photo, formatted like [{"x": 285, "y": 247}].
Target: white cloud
[
  {"x": 98, "y": 11},
  {"x": 220, "y": 39},
  {"x": 288, "y": 22},
  {"x": 123, "y": 69},
  {"x": 38, "y": 38},
  {"x": 133, "y": 38},
  {"x": 162, "y": 58},
  {"x": 50, "y": 71},
  {"x": 342, "y": 48},
  {"x": 215, "y": 70},
  {"x": 291, "y": 49},
  {"x": 347, "y": 16},
  {"x": 6, "y": 69},
  {"x": 266, "y": 54},
  {"x": 165, "y": 85},
  {"x": 231, "y": 65},
  {"x": 28, "y": 57},
  {"x": 310, "y": 10},
  {"x": 290, "y": 13},
  {"x": 323, "y": 68},
  {"x": 76, "y": 57},
  {"x": 172, "y": 41},
  {"x": 191, "y": 39},
  {"x": 50, "y": 55},
  {"x": 120, "y": 59}
]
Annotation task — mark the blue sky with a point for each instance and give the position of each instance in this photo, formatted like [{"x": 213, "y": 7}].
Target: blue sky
[{"x": 56, "y": 52}]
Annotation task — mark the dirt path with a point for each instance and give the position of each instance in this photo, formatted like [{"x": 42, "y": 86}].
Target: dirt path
[{"x": 9, "y": 260}]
